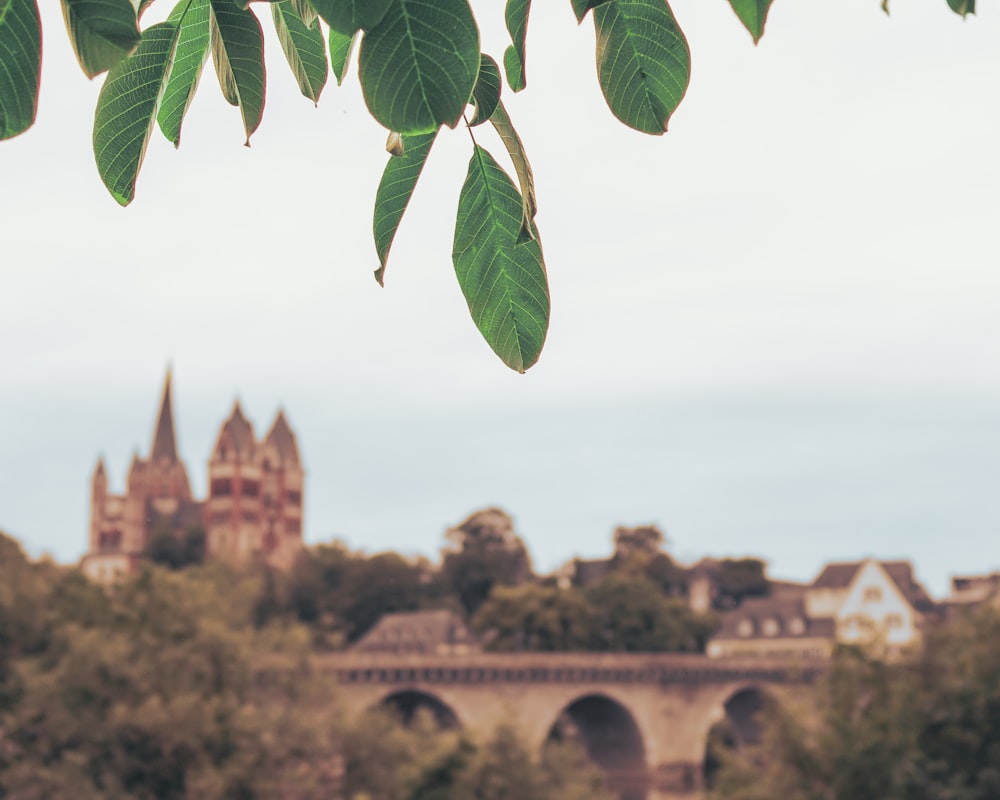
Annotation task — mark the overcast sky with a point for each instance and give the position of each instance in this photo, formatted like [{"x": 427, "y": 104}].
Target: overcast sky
[{"x": 774, "y": 329}]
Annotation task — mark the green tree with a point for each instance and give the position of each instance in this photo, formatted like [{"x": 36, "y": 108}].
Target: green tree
[
  {"x": 419, "y": 65},
  {"x": 535, "y": 617},
  {"x": 176, "y": 549},
  {"x": 736, "y": 579},
  {"x": 630, "y": 613},
  {"x": 342, "y": 594},
  {"x": 150, "y": 693},
  {"x": 502, "y": 769},
  {"x": 926, "y": 728},
  {"x": 484, "y": 552}
]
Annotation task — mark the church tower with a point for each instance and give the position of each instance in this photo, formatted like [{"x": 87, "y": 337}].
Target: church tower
[
  {"x": 234, "y": 477},
  {"x": 254, "y": 505},
  {"x": 284, "y": 479}
]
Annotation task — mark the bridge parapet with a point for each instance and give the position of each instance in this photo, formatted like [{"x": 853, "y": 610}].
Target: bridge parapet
[{"x": 540, "y": 668}]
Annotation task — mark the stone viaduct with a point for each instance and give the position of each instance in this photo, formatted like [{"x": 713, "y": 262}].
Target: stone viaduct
[{"x": 644, "y": 718}]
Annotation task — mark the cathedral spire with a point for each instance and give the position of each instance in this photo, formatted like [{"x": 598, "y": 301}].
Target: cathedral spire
[{"x": 164, "y": 440}]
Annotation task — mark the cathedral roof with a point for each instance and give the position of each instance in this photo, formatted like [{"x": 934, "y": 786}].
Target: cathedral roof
[
  {"x": 283, "y": 440},
  {"x": 238, "y": 431},
  {"x": 164, "y": 439}
]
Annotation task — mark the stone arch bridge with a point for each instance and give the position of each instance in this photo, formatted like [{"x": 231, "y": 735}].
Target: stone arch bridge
[{"x": 645, "y": 718}]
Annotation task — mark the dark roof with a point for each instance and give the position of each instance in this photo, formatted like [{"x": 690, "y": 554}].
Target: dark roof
[
  {"x": 239, "y": 432},
  {"x": 786, "y": 589},
  {"x": 416, "y": 632},
  {"x": 164, "y": 440},
  {"x": 705, "y": 566},
  {"x": 839, "y": 576},
  {"x": 586, "y": 573},
  {"x": 283, "y": 440},
  {"x": 782, "y": 608},
  {"x": 836, "y": 576}
]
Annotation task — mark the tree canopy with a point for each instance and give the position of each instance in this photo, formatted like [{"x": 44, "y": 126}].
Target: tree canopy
[
  {"x": 924, "y": 729},
  {"x": 421, "y": 70},
  {"x": 153, "y": 688}
]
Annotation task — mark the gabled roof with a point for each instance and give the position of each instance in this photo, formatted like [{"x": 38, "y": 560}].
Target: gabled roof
[
  {"x": 283, "y": 440},
  {"x": 164, "y": 440},
  {"x": 416, "y": 632},
  {"x": 840, "y": 576},
  {"x": 587, "y": 572}
]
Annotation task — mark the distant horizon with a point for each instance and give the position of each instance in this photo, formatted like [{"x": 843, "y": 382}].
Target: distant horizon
[{"x": 599, "y": 541}]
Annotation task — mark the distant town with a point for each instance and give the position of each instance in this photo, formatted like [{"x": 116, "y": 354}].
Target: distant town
[
  {"x": 252, "y": 515},
  {"x": 201, "y": 649}
]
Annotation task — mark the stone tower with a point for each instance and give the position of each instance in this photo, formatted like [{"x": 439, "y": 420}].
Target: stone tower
[{"x": 254, "y": 505}]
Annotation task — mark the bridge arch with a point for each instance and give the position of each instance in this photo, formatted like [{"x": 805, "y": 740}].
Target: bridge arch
[
  {"x": 736, "y": 724},
  {"x": 408, "y": 703},
  {"x": 609, "y": 734}
]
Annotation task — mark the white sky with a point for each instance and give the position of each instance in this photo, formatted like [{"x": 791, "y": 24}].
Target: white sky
[{"x": 774, "y": 329}]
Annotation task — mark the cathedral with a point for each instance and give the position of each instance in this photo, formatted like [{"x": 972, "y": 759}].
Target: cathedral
[{"x": 253, "y": 510}]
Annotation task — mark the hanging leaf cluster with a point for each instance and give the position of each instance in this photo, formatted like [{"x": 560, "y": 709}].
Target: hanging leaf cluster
[{"x": 421, "y": 71}]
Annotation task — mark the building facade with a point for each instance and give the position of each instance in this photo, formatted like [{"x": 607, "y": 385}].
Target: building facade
[
  {"x": 253, "y": 508},
  {"x": 861, "y": 602}
]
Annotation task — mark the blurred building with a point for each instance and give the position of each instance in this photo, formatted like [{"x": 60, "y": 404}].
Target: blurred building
[
  {"x": 440, "y": 632},
  {"x": 860, "y": 602},
  {"x": 971, "y": 592},
  {"x": 253, "y": 509}
]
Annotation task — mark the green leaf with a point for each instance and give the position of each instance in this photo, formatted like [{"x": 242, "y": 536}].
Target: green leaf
[
  {"x": 305, "y": 11},
  {"x": 515, "y": 149},
  {"x": 486, "y": 93},
  {"x": 103, "y": 32},
  {"x": 349, "y": 16},
  {"x": 303, "y": 47},
  {"x": 753, "y": 15},
  {"x": 962, "y": 7},
  {"x": 341, "y": 47},
  {"x": 501, "y": 273},
  {"x": 418, "y": 65},
  {"x": 394, "y": 192},
  {"x": 189, "y": 59},
  {"x": 516, "y": 17},
  {"x": 141, "y": 6},
  {"x": 126, "y": 107},
  {"x": 643, "y": 62},
  {"x": 20, "y": 65},
  {"x": 581, "y": 7},
  {"x": 238, "y": 53}
]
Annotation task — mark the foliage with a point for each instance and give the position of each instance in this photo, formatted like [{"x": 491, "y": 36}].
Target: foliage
[
  {"x": 485, "y": 552},
  {"x": 643, "y": 541},
  {"x": 631, "y": 614},
  {"x": 639, "y": 550},
  {"x": 923, "y": 729},
  {"x": 535, "y": 617},
  {"x": 736, "y": 579},
  {"x": 341, "y": 594},
  {"x": 623, "y": 612},
  {"x": 159, "y": 688},
  {"x": 419, "y": 66},
  {"x": 176, "y": 549}
]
